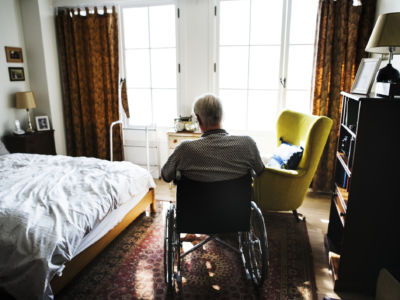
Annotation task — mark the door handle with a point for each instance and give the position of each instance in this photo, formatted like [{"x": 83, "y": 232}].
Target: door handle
[{"x": 283, "y": 81}]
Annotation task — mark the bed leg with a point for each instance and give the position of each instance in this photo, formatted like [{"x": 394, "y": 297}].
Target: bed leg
[{"x": 153, "y": 202}]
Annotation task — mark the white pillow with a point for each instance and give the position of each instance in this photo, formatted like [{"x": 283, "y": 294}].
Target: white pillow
[{"x": 3, "y": 149}]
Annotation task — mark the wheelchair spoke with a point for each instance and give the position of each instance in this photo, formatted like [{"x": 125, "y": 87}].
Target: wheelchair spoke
[
  {"x": 258, "y": 248},
  {"x": 170, "y": 246},
  {"x": 243, "y": 248},
  {"x": 166, "y": 239}
]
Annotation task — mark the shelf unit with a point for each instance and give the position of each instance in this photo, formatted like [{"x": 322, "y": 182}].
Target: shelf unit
[{"x": 364, "y": 228}]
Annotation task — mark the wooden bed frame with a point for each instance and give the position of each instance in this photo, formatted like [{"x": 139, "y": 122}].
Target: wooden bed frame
[{"x": 73, "y": 267}]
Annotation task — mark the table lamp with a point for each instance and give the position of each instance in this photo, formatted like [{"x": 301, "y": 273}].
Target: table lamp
[
  {"x": 385, "y": 38},
  {"x": 26, "y": 100}
]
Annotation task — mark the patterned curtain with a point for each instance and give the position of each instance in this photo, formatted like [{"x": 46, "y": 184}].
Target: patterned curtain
[
  {"x": 343, "y": 30},
  {"x": 88, "y": 49}
]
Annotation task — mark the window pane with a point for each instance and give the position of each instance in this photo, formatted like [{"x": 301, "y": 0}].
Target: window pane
[
  {"x": 233, "y": 67},
  {"x": 139, "y": 107},
  {"x": 162, "y": 26},
  {"x": 300, "y": 67},
  {"x": 266, "y": 22},
  {"x": 234, "y": 22},
  {"x": 164, "y": 102},
  {"x": 136, "y": 33},
  {"x": 303, "y": 21},
  {"x": 264, "y": 67},
  {"x": 137, "y": 65},
  {"x": 262, "y": 110},
  {"x": 234, "y": 106},
  {"x": 163, "y": 68},
  {"x": 298, "y": 101}
]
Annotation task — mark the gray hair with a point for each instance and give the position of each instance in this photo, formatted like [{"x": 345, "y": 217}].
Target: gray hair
[{"x": 209, "y": 108}]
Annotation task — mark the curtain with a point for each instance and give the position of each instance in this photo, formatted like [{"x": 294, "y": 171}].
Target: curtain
[
  {"x": 88, "y": 51},
  {"x": 343, "y": 30}
]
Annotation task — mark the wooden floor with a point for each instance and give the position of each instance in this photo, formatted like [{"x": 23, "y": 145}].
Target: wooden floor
[{"x": 316, "y": 209}]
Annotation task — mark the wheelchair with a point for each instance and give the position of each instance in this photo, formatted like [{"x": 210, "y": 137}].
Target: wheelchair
[{"x": 213, "y": 208}]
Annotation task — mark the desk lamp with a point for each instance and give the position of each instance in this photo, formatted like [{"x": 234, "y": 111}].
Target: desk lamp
[
  {"x": 26, "y": 100},
  {"x": 385, "y": 38}
]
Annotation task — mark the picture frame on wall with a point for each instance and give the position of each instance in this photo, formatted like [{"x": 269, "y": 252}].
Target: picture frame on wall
[
  {"x": 365, "y": 75},
  {"x": 16, "y": 74},
  {"x": 14, "y": 54},
  {"x": 42, "y": 123}
]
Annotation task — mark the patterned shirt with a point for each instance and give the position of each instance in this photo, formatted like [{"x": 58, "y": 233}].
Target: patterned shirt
[{"x": 213, "y": 157}]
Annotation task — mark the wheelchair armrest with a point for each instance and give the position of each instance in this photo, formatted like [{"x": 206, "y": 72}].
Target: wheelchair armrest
[{"x": 285, "y": 173}]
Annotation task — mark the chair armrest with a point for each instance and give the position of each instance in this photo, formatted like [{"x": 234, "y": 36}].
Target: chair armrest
[
  {"x": 285, "y": 173},
  {"x": 280, "y": 189}
]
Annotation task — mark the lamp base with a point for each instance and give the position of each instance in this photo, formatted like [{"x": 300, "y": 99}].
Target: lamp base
[
  {"x": 388, "y": 74},
  {"x": 29, "y": 130}
]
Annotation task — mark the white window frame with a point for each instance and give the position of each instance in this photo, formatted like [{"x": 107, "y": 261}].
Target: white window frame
[
  {"x": 149, "y": 3},
  {"x": 284, "y": 53}
]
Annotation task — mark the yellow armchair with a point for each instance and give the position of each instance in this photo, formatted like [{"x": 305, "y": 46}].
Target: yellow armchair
[{"x": 281, "y": 189}]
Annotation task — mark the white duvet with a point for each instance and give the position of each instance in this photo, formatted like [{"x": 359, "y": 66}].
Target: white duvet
[{"x": 47, "y": 205}]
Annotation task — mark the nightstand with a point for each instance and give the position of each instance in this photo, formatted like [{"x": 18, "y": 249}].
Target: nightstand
[
  {"x": 39, "y": 142},
  {"x": 174, "y": 138}
]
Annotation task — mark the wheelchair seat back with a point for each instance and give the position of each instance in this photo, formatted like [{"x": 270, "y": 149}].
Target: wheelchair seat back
[{"x": 213, "y": 207}]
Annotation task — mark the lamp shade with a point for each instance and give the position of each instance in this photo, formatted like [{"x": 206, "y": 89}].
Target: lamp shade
[
  {"x": 25, "y": 100},
  {"x": 386, "y": 34}
]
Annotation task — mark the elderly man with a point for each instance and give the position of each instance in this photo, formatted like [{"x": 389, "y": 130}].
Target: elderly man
[{"x": 216, "y": 155}]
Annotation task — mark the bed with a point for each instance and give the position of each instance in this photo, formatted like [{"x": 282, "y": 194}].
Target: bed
[{"x": 58, "y": 212}]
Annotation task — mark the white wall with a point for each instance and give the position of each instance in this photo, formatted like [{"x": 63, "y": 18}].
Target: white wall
[
  {"x": 29, "y": 24},
  {"x": 39, "y": 31},
  {"x": 11, "y": 34}
]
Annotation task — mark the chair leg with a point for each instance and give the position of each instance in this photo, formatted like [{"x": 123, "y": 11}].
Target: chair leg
[{"x": 299, "y": 217}]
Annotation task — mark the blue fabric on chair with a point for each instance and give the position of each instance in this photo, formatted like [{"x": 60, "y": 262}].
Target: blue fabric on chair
[{"x": 286, "y": 156}]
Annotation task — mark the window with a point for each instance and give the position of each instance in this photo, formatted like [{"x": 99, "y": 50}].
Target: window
[
  {"x": 149, "y": 44},
  {"x": 265, "y": 59}
]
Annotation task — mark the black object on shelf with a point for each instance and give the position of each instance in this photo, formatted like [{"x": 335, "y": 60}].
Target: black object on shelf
[{"x": 387, "y": 89}]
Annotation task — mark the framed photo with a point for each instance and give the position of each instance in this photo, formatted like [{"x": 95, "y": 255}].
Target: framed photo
[
  {"x": 14, "y": 54},
  {"x": 16, "y": 74},
  {"x": 42, "y": 123},
  {"x": 365, "y": 75}
]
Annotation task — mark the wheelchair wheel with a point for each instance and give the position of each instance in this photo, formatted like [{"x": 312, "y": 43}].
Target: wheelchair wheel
[
  {"x": 255, "y": 247},
  {"x": 169, "y": 248}
]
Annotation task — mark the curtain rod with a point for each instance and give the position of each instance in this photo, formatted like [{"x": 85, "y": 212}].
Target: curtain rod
[{"x": 83, "y": 6}]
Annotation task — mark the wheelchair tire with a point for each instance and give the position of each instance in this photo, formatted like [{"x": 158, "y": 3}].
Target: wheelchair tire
[
  {"x": 169, "y": 248},
  {"x": 257, "y": 247}
]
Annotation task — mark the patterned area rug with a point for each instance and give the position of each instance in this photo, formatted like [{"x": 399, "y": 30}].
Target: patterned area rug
[{"x": 131, "y": 267}]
